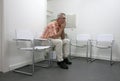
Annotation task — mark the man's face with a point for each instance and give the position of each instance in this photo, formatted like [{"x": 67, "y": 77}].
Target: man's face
[{"x": 61, "y": 20}]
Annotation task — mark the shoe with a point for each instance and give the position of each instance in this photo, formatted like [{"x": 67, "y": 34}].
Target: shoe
[
  {"x": 62, "y": 65},
  {"x": 67, "y": 61}
]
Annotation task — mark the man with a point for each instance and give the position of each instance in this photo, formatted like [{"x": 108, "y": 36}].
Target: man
[{"x": 55, "y": 31}]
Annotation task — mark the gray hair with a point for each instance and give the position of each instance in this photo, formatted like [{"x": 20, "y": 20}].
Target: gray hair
[{"x": 61, "y": 15}]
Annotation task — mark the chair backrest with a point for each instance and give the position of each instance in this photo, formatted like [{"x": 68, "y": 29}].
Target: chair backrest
[
  {"x": 105, "y": 37},
  {"x": 24, "y": 34},
  {"x": 24, "y": 38},
  {"x": 83, "y": 37}
]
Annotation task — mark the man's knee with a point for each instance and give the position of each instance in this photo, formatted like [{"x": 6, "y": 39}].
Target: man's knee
[
  {"x": 59, "y": 41},
  {"x": 66, "y": 41}
]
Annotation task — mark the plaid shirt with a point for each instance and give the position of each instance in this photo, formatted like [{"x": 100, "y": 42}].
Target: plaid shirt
[{"x": 51, "y": 30}]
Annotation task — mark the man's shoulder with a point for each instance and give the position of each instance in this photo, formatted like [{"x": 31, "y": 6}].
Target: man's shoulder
[{"x": 52, "y": 23}]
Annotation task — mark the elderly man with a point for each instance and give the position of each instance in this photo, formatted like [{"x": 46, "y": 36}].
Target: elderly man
[{"x": 55, "y": 31}]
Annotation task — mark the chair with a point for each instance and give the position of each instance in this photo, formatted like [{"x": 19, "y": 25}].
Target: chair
[
  {"x": 25, "y": 42},
  {"x": 104, "y": 41},
  {"x": 82, "y": 41}
]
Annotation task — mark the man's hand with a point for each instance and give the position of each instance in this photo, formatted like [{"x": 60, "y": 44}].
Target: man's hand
[
  {"x": 63, "y": 35},
  {"x": 63, "y": 25},
  {"x": 61, "y": 32}
]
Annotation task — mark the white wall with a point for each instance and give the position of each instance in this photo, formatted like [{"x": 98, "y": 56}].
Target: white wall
[
  {"x": 0, "y": 35},
  {"x": 21, "y": 14},
  {"x": 93, "y": 17}
]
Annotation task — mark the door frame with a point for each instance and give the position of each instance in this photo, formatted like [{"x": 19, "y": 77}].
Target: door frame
[
  {"x": 0, "y": 49},
  {"x": 0, "y": 35},
  {"x": 4, "y": 67}
]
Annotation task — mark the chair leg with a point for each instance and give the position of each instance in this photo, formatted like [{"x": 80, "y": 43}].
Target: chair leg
[
  {"x": 33, "y": 63},
  {"x": 27, "y": 73},
  {"x": 87, "y": 54},
  {"x": 70, "y": 55},
  {"x": 48, "y": 61},
  {"x": 111, "y": 61},
  {"x": 91, "y": 52}
]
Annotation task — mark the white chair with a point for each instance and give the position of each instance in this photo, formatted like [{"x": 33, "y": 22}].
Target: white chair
[
  {"x": 104, "y": 41},
  {"x": 82, "y": 41},
  {"x": 25, "y": 42}
]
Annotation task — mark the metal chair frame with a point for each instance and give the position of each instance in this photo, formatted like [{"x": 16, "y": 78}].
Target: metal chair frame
[
  {"x": 83, "y": 38},
  {"x": 103, "y": 38}
]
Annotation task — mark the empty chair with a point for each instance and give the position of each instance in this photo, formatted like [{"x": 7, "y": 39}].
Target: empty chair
[
  {"x": 82, "y": 41},
  {"x": 104, "y": 41},
  {"x": 25, "y": 42}
]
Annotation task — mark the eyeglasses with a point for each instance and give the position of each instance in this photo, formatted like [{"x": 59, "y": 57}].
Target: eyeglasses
[{"x": 62, "y": 18}]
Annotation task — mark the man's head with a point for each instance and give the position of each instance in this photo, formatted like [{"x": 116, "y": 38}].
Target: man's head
[{"x": 61, "y": 17}]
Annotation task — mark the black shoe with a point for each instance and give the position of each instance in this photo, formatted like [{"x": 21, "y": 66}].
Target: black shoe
[
  {"x": 67, "y": 61},
  {"x": 62, "y": 65}
]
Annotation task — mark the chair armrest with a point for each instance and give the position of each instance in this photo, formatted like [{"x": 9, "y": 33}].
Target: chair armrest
[
  {"x": 41, "y": 39},
  {"x": 22, "y": 39},
  {"x": 48, "y": 40}
]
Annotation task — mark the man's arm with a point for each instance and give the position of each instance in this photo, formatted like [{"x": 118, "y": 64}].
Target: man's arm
[
  {"x": 63, "y": 35},
  {"x": 61, "y": 32}
]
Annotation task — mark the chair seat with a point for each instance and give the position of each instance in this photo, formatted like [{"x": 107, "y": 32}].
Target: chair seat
[
  {"x": 103, "y": 47},
  {"x": 82, "y": 46},
  {"x": 41, "y": 47},
  {"x": 35, "y": 48}
]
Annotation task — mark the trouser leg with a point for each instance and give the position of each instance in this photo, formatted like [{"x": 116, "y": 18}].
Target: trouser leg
[
  {"x": 66, "y": 48},
  {"x": 59, "y": 53},
  {"x": 58, "y": 48}
]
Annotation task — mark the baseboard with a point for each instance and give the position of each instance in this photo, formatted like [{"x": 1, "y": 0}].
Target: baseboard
[
  {"x": 21, "y": 64},
  {"x": 96, "y": 57}
]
